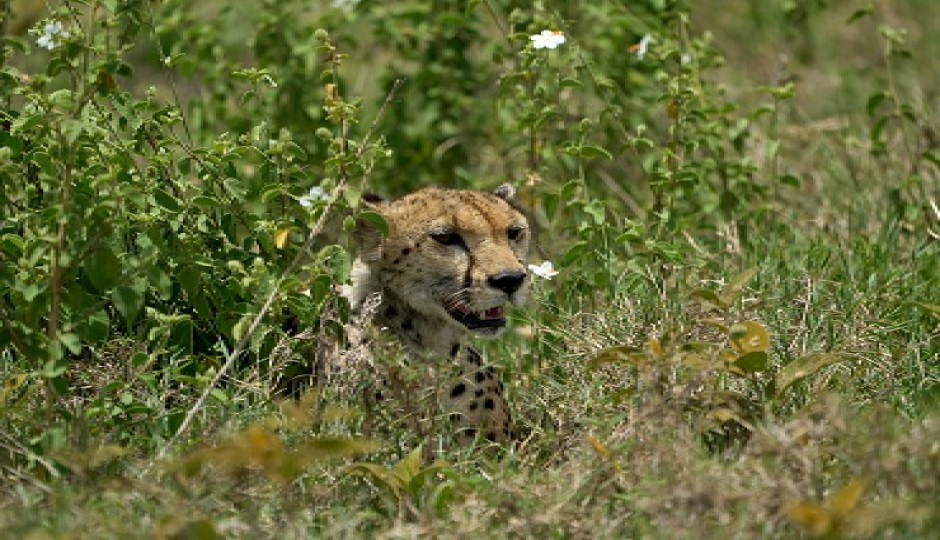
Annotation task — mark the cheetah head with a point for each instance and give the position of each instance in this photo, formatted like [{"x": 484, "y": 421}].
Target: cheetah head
[{"x": 457, "y": 256}]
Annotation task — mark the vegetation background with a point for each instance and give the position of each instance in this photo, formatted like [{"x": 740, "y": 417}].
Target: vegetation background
[{"x": 741, "y": 199}]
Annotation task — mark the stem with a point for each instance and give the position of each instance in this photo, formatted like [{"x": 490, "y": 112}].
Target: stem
[
  {"x": 55, "y": 280},
  {"x": 5, "y": 14},
  {"x": 375, "y": 123}
]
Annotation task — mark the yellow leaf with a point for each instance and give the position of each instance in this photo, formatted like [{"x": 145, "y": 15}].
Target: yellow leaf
[
  {"x": 620, "y": 354},
  {"x": 409, "y": 465},
  {"x": 723, "y": 415},
  {"x": 734, "y": 287},
  {"x": 695, "y": 361},
  {"x": 598, "y": 447},
  {"x": 811, "y": 517},
  {"x": 715, "y": 323},
  {"x": 602, "y": 451},
  {"x": 749, "y": 336},
  {"x": 263, "y": 446},
  {"x": 11, "y": 385},
  {"x": 280, "y": 237},
  {"x": 805, "y": 366},
  {"x": 846, "y": 499},
  {"x": 655, "y": 347},
  {"x": 671, "y": 109}
]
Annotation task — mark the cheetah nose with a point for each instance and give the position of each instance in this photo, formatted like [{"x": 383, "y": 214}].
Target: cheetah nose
[{"x": 508, "y": 282}]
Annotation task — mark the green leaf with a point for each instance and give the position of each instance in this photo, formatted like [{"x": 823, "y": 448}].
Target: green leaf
[
  {"x": 55, "y": 368},
  {"x": 71, "y": 342},
  {"x": 708, "y": 298},
  {"x": 421, "y": 478},
  {"x": 337, "y": 260},
  {"x": 569, "y": 82},
  {"x": 200, "y": 529},
  {"x": 242, "y": 326},
  {"x": 805, "y": 366},
  {"x": 568, "y": 191},
  {"x": 593, "y": 151},
  {"x": 375, "y": 219},
  {"x": 932, "y": 309},
  {"x": 790, "y": 180},
  {"x": 621, "y": 354},
  {"x": 574, "y": 253},
  {"x": 24, "y": 123},
  {"x": 206, "y": 202},
  {"x": 72, "y": 130},
  {"x": 62, "y": 98},
  {"x": 220, "y": 396},
  {"x": 874, "y": 101},
  {"x": 103, "y": 269},
  {"x": 779, "y": 92},
  {"x": 752, "y": 362},
  {"x": 160, "y": 282},
  {"x": 352, "y": 196},
  {"x": 190, "y": 279},
  {"x": 30, "y": 291},
  {"x": 860, "y": 13},
  {"x": 878, "y": 128},
  {"x": 129, "y": 303},
  {"x": 409, "y": 465},
  {"x": 380, "y": 476},
  {"x": 166, "y": 201},
  {"x": 12, "y": 245},
  {"x": 731, "y": 291},
  {"x": 95, "y": 328},
  {"x": 294, "y": 151}
]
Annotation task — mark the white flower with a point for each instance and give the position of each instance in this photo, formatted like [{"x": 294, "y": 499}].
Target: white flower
[
  {"x": 316, "y": 193},
  {"x": 548, "y": 39},
  {"x": 545, "y": 270},
  {"x": 344, "y": 4},
  {"x": 640, "y": 48},
  {"x": 50, "y": 34}
]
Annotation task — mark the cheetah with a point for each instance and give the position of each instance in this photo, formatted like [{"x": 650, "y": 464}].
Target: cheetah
[{"x": 452, "y": 263}]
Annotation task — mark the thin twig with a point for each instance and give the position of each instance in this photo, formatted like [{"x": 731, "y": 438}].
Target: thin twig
[
  {"x": 499, "y": 22},
  {"x": 388, "y": 99},
  {"x": 365, "y": 141}
]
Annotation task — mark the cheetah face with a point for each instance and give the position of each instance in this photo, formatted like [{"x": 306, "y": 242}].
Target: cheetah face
[{"x": 456, "y": 256}]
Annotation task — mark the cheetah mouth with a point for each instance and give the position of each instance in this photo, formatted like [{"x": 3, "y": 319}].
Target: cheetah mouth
[{"x": 494, "y": 317}]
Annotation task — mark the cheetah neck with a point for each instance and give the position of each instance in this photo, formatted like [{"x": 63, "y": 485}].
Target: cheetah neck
[{"x": 416, "y": 331}]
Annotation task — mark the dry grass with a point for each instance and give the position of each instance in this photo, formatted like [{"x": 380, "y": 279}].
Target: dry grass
[{"x": 623, "y": 450}]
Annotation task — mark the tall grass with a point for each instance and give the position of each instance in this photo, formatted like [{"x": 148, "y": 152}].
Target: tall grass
[{"x": 741, "y": 341}]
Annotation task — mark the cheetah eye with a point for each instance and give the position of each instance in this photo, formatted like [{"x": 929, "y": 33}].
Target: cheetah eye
[
  {"x": 515, "y": 233},
  {"x": 448, "y": 238}
]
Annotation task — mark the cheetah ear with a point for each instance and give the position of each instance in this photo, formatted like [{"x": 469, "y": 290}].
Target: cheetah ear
[
  {"x": 367, "y": 234},
  {"x": 372, "y": 198},
  {"x": 505, "y": 192}
]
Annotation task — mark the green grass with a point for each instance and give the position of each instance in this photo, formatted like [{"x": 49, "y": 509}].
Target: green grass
[{"x": 634, "y": 425}]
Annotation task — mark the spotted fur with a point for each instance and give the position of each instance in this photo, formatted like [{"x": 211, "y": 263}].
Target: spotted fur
[{"x": 450, "y": 266}]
